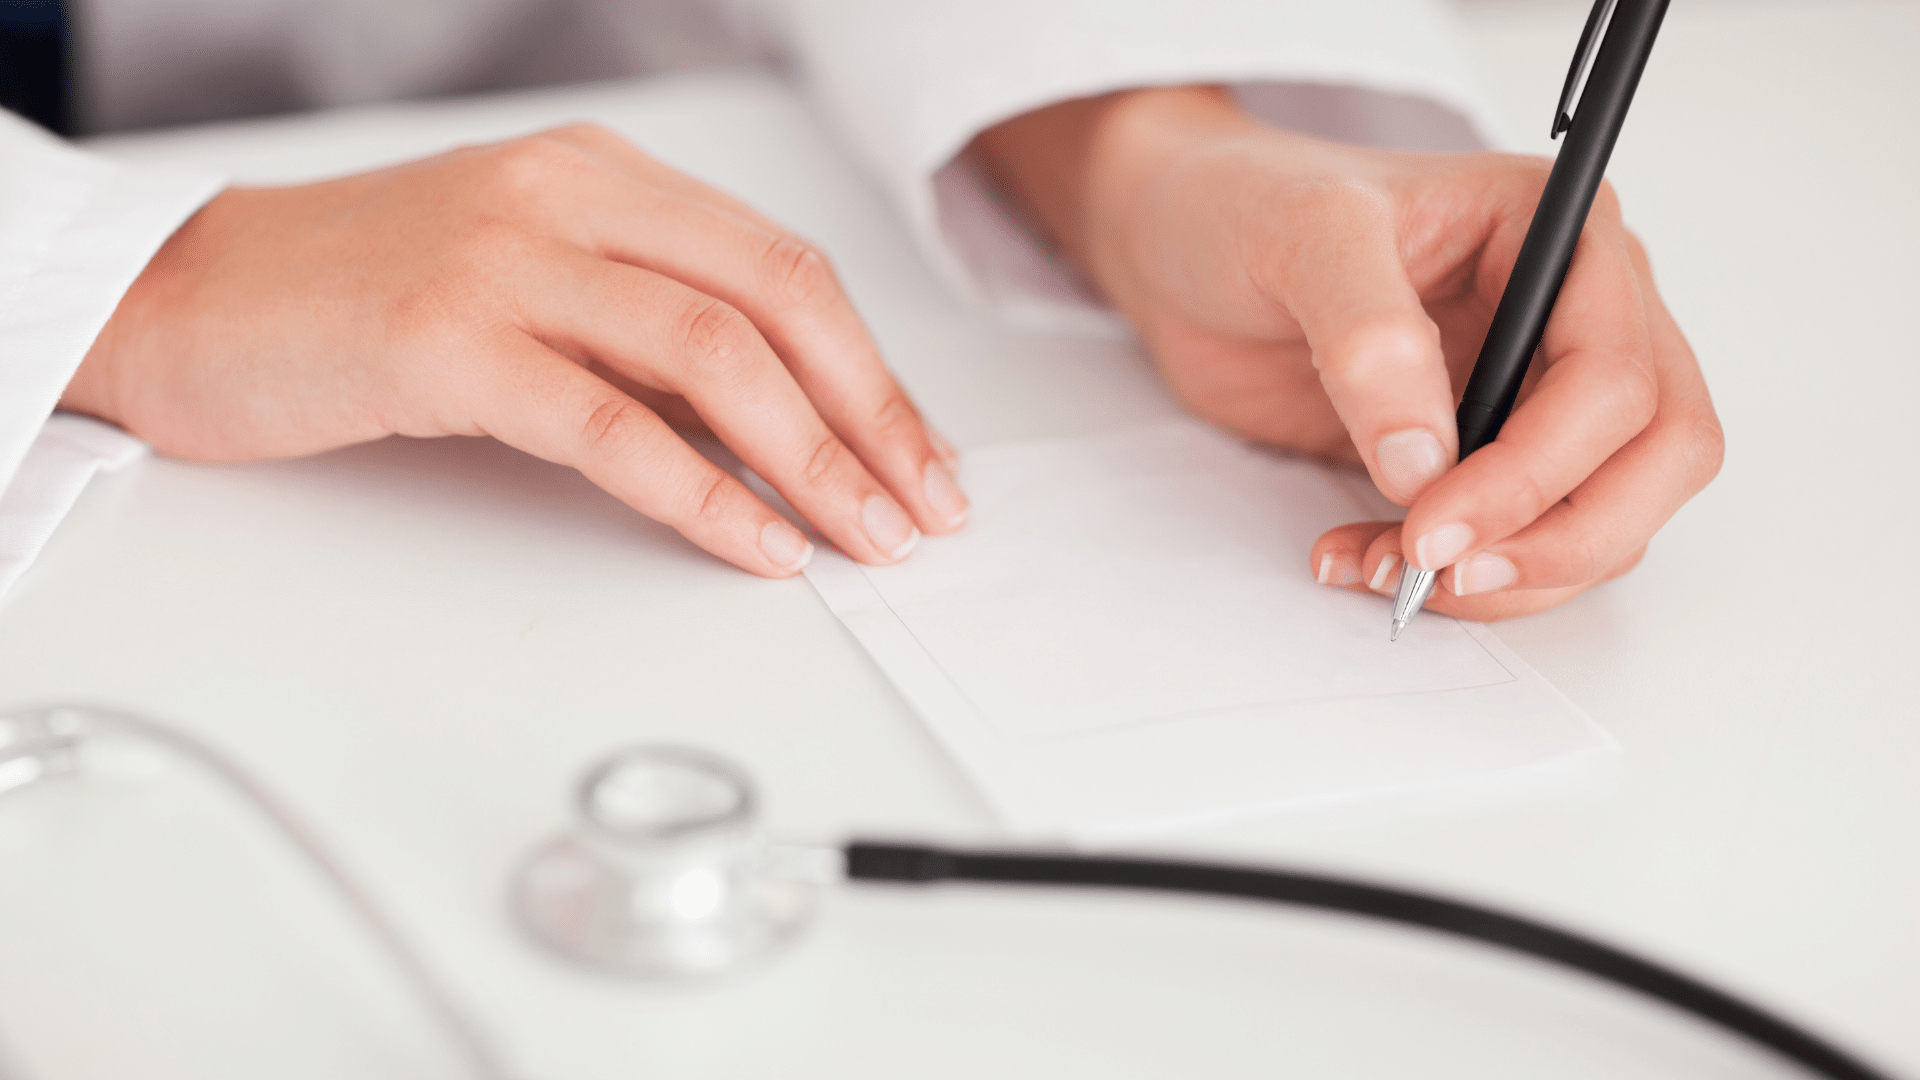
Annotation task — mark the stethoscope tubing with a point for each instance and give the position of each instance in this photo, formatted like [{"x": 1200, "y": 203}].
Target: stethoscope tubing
[
  {"x": 868, "y": 861},
  {"x": 62, "y": 729}
]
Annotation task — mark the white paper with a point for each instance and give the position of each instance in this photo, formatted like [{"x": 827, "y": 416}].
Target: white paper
[{"x": 1125, "y": 639}]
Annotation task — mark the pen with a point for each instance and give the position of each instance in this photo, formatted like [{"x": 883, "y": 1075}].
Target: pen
[{"x": 1621, "y": 33}]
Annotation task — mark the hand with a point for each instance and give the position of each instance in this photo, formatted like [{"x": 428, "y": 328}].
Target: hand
[
  {"x": 1328, "y": 299},
  {"x": 563, "y": 293}
]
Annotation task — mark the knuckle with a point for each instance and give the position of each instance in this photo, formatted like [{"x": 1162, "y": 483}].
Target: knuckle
[
  {"x": 586, "y": 131},
  {"x": 1539, "y": 498},
  {"x": 614, "y": 428},
  {"x": 715, "y": 339},
  {"x": 1639, "y": 390},
  {"x": 1528, "y": 168},
  {"x": 1367, "y": 349},
  {"x": 1583, "y": 560},
  {"x": 895, "y": 413},
  {"x": 822, "y": 460},
  {"x": 1520, "y": 177},
  {"x": 1706, "y": 446},
  {"x": 798, "y": 273},
  {"x": 531, "y": 168},
  {"x": 1347, "y": 198},
  {"x": 707, "y": 502}
]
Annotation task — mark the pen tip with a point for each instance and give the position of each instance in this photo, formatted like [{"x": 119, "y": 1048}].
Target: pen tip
[{"x": 1394, "y": 634}]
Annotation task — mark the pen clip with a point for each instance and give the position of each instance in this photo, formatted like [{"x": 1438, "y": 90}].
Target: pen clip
[{"x": 1582, "y": 59}]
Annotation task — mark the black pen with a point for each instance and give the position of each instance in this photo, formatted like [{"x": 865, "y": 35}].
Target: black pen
[{"x": 1621, "y": 32}]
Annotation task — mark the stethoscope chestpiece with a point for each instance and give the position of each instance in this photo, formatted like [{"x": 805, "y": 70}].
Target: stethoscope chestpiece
[{"x": 665, "y": 873}]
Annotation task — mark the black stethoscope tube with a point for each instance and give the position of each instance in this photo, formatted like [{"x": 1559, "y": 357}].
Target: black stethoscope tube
[{"x": 914, "y": 863}]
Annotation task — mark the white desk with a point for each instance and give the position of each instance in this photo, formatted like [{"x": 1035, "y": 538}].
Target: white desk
[{"x": 420, "y": 643}]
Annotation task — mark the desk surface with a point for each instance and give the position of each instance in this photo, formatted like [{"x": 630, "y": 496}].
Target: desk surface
[{"x": 419, "y": 644}]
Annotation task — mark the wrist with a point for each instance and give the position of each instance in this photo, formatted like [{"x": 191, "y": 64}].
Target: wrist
[
  {"x": 141, "y": 323},
  {"x": 1083, "y": 170}
]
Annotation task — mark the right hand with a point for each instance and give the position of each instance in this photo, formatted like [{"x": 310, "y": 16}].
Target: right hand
[
  {"x": 1329, "y": 299},
  {"x": 564, "y": 293}
]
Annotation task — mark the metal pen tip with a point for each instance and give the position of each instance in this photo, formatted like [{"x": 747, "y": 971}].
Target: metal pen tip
[{"x": 1415, "y": 586}]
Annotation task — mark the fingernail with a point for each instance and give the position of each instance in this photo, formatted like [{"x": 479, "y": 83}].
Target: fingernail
[
  {"x": 943, "y": 448},
  {"x": 1337, "y": 570},
  {"x": 1409, "y": 460},
  {"x": 1485, "y": 572},
  {"x": 944, "y": 495},
  {"x": 1442, "y": 546},
  {"x": 785, "y": 548},
  {"x": 888, "y": 527},
  {"x": 1382, "y": 573}
]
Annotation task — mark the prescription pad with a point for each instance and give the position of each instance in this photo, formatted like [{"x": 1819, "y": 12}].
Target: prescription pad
[{"x": 1126, "y": 638}]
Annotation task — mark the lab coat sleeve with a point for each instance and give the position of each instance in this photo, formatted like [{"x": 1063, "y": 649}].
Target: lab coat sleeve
[
  {"x": 908, "y": 85},
  {"x": 75, "y": 231}
]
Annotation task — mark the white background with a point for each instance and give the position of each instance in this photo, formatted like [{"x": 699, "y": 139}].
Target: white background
[{"x": 420, "y": 643}]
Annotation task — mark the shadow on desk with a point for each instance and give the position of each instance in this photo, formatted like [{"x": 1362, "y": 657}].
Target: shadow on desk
[{"x": 478, "y": 484}]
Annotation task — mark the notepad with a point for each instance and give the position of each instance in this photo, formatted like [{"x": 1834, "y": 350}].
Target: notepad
[{"x": 1125, "y": 639}]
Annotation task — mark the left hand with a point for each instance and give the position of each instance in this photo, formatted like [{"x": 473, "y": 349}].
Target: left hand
[
  {"x": 563, "y": 292},
  {"x": 1328, "y": 299}
]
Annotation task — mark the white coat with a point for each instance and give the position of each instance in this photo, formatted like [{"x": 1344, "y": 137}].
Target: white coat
[{"x": 906, "y": 83}]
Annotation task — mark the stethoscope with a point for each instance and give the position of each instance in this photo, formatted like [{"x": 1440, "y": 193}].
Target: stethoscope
[{"x": 665, "y": 873}]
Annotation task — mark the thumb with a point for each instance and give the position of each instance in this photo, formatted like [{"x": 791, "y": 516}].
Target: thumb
[{"x": 1377, "y": 352}]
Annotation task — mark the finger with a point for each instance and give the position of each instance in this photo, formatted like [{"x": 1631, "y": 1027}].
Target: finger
[
  {"x": 1599, "y": 389},
  {"x": 1339, "y": 557},
  {"x": 1510, "y": 603},
  {"x": 789, "y": 292},
  {"x": 1377, "y": 351},
  {"x": 672, "y": 408},
  {"x": 667, "y": 336},
  {"x": 1371, "y": 549},
  {"x": 547, "y": 405},
  {"x": 1603, "y": 524},
  {"x": 1375, "y": 546},
  {"x": 1597, "y": 533}
]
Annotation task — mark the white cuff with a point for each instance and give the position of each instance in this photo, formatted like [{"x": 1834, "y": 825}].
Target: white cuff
[
  {"x": 911, "y": 84},
  {"x": 75, "y": 231},
  {"x": 57, "y": 467}
]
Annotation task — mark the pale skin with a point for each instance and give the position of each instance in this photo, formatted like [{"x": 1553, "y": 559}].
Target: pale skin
[
  {"x": 563, "y": 293},
  {"x": 1331, "y": 299},
  {"x": 572, "y": 297}
]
